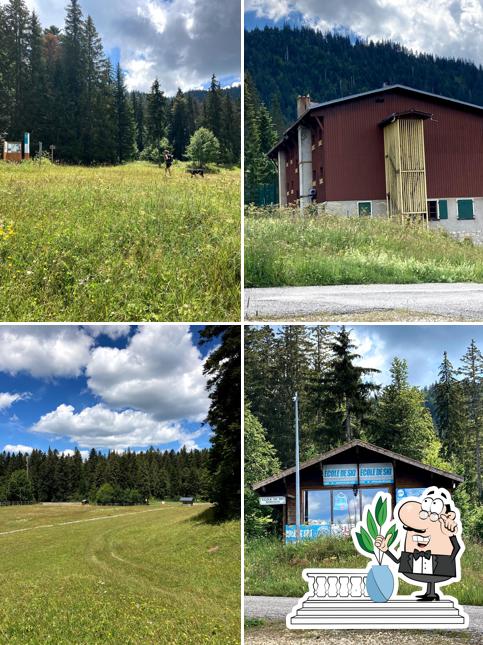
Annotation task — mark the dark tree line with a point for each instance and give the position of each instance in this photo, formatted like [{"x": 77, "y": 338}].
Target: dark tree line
[
  {"x": 53, "y": 477},
  {"x": 287, "y": 62},
  {"x": 340, "y": 400},
  {"x": 59, "y": 86}
]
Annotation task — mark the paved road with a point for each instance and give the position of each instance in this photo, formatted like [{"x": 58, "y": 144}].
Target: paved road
[
  {"x": 275, "y": 608},
  {"x": 460, "y": 301}
]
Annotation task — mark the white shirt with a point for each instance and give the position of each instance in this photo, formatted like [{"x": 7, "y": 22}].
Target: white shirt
[{"x": 422, "y": 565}]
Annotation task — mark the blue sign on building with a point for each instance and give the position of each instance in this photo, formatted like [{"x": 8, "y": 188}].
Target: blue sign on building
[
  {"x": 376, "y": 474},
  {"x": 307, "y": 532},
  {"x": 340, "y": 475},
  {"x": 401, "y": 493}
]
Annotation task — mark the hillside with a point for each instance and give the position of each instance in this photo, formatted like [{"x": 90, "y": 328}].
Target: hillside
[
  {"x": 79, "y": 574},
  {"x": 287, "y": 62}
]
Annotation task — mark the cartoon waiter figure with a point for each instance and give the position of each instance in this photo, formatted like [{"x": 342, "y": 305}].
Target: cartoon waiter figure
[{"x": 431, "y": 545}]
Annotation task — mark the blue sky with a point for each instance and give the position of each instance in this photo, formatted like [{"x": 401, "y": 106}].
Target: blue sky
[
  {"x": 107, "y": 387},
  {"x": 449, "y": 28},
  {"x": 180, "y": 41},
  {"x": 421, "y": 345}
]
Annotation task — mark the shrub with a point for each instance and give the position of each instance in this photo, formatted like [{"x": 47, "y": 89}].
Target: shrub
[
  {"x": 19, "y": 488},
  {"x": 106, "y": 495}
]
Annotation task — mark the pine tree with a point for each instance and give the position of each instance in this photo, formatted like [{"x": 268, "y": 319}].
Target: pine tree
[
  {"x": 34, "y": 109},
  {"x": 138, "y": 111},
  {"x": 6, "y": 62},
  {"x": 179, "y": 130},
  {"x": 449, "y": 412},
  {"x": 17, "y": 23},
  {"x": 126, "y": 145},
  {"x": 472, "y": 373},
  {"x": 403, "y": 422},
  {"x": 346, "y": 397},
  {"x": 91, "y": 114},
  {"x": 73, "y": 84},
  {"x": 212, "y": 115},
  {"x": 223, "y": 368},
  {"x": 156, "y": 115}
]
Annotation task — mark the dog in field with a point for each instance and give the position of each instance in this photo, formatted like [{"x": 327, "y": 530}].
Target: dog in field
[{"x": 196, "y": 171}]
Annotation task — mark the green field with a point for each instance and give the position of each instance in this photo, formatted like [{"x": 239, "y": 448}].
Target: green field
[
  {"x": 118, "y": 244},
  {"x": 287, "y": 248},
  {"x": 153, "y": 575},
  {"x": 275, "y": 569}
]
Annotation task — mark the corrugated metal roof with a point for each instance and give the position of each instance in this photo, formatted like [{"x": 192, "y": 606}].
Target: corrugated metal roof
[
  {"x": 348, "y": 446},
  {"x": 380, "y": 90}
]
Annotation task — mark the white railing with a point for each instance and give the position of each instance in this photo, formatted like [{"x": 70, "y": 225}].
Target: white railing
[{"x": 334, "y": 584}]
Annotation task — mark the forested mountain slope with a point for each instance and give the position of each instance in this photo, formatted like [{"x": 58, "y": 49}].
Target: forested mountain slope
[{"x": 287, "y": 62}]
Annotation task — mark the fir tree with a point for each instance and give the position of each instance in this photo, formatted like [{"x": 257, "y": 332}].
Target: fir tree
[
  {"x": 126, "y": 144},
  {"x": 156, "y": 114},
  {"x": 179, "y": 130}
]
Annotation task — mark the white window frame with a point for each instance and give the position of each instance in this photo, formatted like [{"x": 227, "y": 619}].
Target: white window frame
[{"x": 364, "y": 201}]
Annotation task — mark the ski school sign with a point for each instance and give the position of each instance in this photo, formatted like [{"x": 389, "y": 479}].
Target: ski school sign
[{"x": 362, "y": 474}]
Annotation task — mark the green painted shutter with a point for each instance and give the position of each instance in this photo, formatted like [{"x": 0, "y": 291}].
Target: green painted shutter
[
  {"x": 365, "y": 208},
  {"x": 465, "y": 209},
  {"x": 443, "y": 209}
]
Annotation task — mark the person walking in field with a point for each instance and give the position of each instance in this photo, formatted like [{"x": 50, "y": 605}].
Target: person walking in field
[{"x": 168, "y": 160}]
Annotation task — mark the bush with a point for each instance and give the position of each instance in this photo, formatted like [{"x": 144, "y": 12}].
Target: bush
[
  {"x": 474, "y": 524},
  {"x": 203, "y": 148},
  {"x": 154, "y": 153},
  {"x": 19, "y": 488},
  {"x": 106, "y": 495}
]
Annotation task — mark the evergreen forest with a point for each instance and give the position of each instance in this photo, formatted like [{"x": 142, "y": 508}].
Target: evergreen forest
[
  {"x": 341, "y": 398},
  {"x": 59, "y": 85}
]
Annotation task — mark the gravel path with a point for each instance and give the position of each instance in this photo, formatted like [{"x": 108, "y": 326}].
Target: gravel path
[
  {"x": 460, "y": 301},
  {"x": 272, "y": 611}
]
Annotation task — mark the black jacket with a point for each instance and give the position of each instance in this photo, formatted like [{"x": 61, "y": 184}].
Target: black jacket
[{"x": 443, "y": 565}]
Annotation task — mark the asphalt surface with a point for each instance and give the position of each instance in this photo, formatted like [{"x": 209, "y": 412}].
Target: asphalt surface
[
  {"x": 276, "y": 608},
  {"x": 460, "y": 301}
]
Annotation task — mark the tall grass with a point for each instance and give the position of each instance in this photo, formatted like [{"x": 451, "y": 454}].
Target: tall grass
[
  {"x": 275, "y": 569},
  {"x": 288, "y": 248},
  {"x": 118, "y": 244},
  {"x": 156, "y": 575}
]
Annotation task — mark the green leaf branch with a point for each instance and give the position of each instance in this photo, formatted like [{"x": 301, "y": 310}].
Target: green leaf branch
[{"x": 375, "y": 520}]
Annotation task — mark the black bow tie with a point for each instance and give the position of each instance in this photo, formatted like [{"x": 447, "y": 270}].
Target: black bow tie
[{"x": 421, "y": 554}]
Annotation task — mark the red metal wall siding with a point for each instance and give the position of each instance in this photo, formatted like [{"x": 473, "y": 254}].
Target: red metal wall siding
[
  {"x": 354, "y": 148},
  {"x": 292, "y": 175},
  {"x": 318, "y": 166}
]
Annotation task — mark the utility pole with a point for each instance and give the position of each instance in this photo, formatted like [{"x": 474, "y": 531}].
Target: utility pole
[{"x": 297, "y": 469}]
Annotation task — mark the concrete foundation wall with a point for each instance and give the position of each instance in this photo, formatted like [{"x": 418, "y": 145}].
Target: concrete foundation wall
[
  {"x": 463, "y": 228},
  {"x": 460, "y": 229}
]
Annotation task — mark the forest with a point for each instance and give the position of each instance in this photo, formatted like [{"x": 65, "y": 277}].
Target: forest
[
  {"x": 340, "y": 400},
  {"x": 59, "y": 85},
  {"x": 290, "y": 61},
  {"x": 131, "y": 477}
]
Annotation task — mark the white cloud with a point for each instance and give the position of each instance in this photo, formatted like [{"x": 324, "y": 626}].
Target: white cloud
[
  {"x": 114, "y": 332},
  {"x": 373, "y": 353},
  {"x": 70, "y": 453},
  {"x": 159, "y": 372},
  {"x": 100, "y": 427},
  {"x": 18, "y": 448},
  {"x": 443, "y": 27},
  {"x": 44, "y": 351},
  {"x": 181, "y": 41},
  {"x": 7, "y": 399}
]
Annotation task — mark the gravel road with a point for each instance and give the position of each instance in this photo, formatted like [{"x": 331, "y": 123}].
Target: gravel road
[
  {"x": 460, "y": 301},
  {"x": 272, "y": 630}
]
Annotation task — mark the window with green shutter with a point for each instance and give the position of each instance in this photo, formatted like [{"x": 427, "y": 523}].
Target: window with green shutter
[
  {"x": 443, "y": 209},
  {"x": 465, "y": 209},
  {"x": 365, "y": 208}
]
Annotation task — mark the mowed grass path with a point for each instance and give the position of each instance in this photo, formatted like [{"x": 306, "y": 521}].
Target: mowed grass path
[
  {"x": 285, "y": 248},
  {"x": 119, "y": 243},
  {"x": 152, "y": 578}
]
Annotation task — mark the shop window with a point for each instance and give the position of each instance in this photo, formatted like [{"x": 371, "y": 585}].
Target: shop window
[
  {"x": 368, "y": 494},
  {"x": 317, "y": 507},
  {"x": 465, "y": 209},
  {"x": 345, "y": 507}
]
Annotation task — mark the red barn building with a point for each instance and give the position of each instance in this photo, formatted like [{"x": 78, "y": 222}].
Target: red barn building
[{"x": 392, "y": 151}]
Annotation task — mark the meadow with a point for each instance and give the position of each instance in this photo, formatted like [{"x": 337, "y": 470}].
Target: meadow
[
  {"x": 275, "y": 569},
  {"x": 287, "y": 248},
  {"x": 118, "y": 243},
  {"x": 128, "y": 575}
]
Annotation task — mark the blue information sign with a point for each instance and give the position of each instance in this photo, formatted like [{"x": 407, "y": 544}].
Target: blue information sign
[
  {"x": 376, "y": 474},
  {"x": 307, "y": 531},
  {"x": 340, "y": 474}
]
